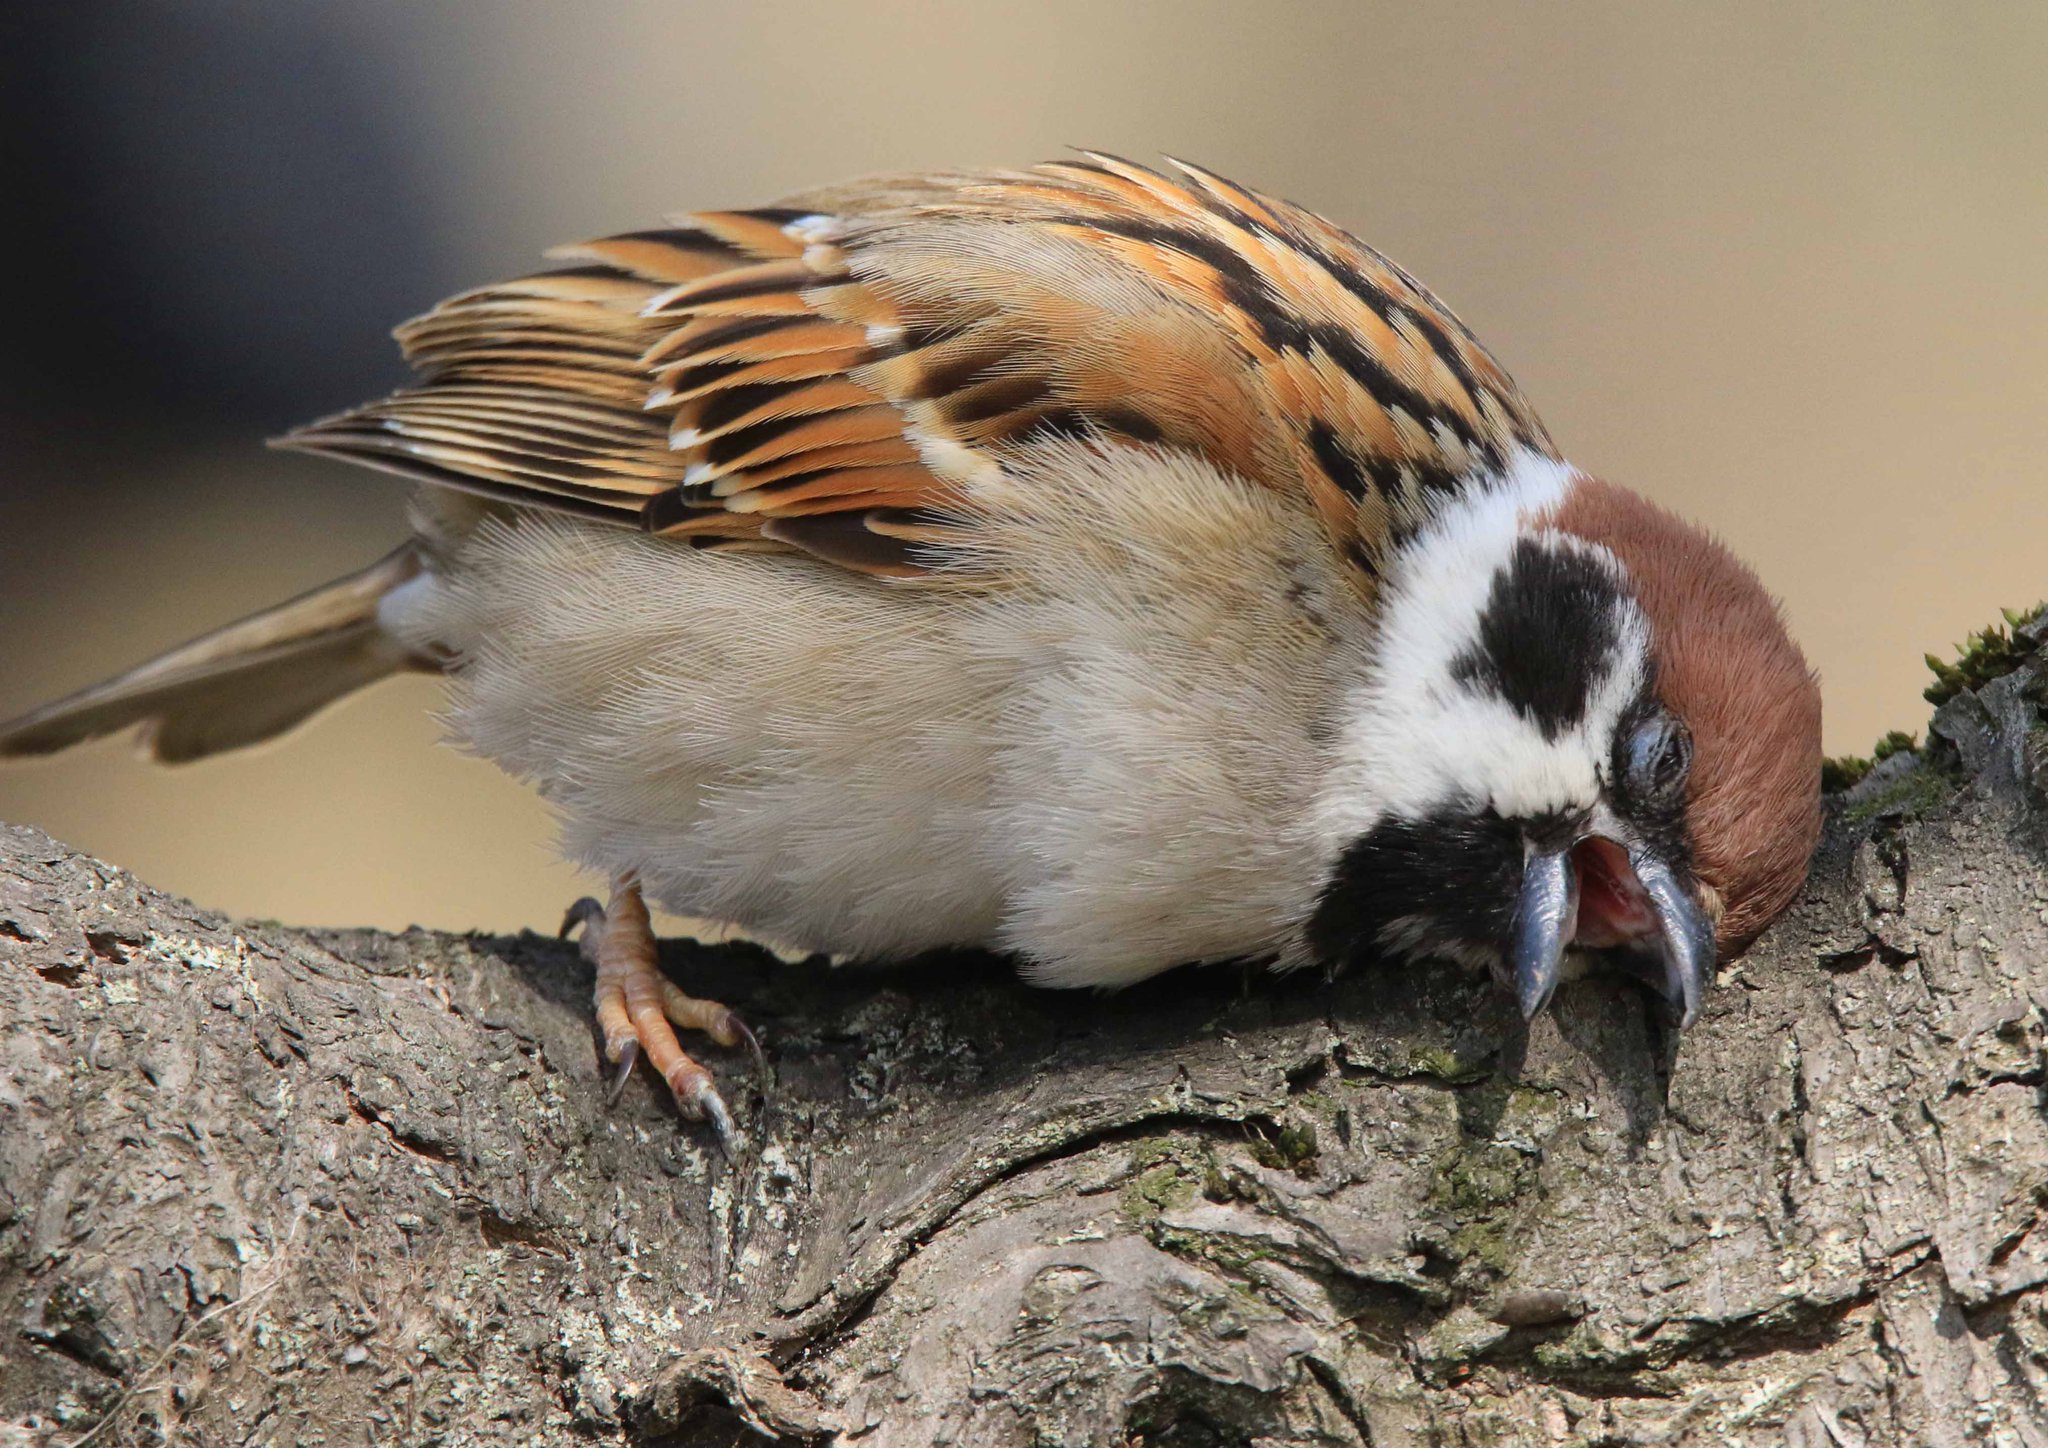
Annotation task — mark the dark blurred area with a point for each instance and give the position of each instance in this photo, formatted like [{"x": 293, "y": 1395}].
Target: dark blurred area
[
  {"x": 1776, "y": 266},
  {"x": 204, "y": 188},
  {"x": 220, "y": 211}
]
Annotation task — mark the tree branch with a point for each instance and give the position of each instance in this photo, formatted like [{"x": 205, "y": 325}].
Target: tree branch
[{"x": 259, "y": 1184}]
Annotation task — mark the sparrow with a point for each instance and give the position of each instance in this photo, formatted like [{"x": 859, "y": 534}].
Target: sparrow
[{"x": 1111, "y": 566}]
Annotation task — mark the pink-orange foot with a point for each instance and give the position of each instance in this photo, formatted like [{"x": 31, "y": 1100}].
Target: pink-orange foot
[{"x": 637, "y": 1008}]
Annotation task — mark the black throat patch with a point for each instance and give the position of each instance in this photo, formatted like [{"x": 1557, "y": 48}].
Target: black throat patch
[
  {"x": 1546, "y": 636},
  {"x": 1446, "y": 883}
]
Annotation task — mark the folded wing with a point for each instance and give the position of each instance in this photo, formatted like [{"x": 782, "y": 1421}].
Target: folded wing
[{"x": 832, "y": 374}]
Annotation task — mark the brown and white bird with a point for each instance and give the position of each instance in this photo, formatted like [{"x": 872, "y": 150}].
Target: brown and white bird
[{"x": 1115, "y": 567}]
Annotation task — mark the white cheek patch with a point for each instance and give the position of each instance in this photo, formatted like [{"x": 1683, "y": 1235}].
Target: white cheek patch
[{"x": 1420, "y": 733}]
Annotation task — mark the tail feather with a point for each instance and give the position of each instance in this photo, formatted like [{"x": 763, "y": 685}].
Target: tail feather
[{"x": 240, "y": 684}]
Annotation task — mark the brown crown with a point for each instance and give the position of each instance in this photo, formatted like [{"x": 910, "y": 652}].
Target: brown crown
[{"x": 1727, "y": 667}]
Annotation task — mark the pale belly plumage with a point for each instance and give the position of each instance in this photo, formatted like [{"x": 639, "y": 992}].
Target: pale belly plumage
[{"x": 1097, "y": 761}]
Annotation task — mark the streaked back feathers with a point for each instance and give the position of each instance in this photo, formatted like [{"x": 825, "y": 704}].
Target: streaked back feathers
[{"x": 824, "y": 374}]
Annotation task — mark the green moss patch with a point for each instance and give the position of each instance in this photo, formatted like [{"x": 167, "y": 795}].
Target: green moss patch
[
  {"x": 1845, "y": 771},
  {"x": 1914, "y": 793},
  {"x": 1293, "y": 1149},
  {"x": 1166, "y": 1174},
  {"x": 1475, "y": 1185},
  {"x": 1988, "y": 654}
]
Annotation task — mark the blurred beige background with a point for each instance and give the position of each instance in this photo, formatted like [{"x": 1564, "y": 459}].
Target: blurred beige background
[{"x": 1781, "y": 267}]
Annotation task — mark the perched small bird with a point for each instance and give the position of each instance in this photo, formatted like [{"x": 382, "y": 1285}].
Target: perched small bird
[{"x": 1115, "y": 567}]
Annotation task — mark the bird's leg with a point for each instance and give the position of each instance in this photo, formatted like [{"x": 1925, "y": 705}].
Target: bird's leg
[{"x": 636, "y": 1004}]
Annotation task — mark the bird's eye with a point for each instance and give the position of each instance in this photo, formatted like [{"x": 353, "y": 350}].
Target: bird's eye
[{"x": 1659, "y": 757}]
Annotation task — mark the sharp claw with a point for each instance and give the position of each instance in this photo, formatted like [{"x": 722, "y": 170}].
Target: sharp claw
[
  {"x": 629, "y": 1057},
  {"x": 581, "y": 913},
  {"x": 705, "y": 1103},
  {"x": 753, "y": 1043}
]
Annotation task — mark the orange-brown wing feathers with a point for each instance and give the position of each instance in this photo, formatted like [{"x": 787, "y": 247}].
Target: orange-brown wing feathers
[{"x": 825, "y": 375}]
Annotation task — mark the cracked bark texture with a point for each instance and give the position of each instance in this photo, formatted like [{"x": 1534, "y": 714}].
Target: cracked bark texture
[{"x": 272, "y": 1186}]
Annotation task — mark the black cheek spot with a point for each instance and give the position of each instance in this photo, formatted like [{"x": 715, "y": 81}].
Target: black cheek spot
[{"x": 1546, "y": 636}]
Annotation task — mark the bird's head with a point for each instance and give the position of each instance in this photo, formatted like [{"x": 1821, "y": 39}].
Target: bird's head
[{"x": 1584, "y": 736}]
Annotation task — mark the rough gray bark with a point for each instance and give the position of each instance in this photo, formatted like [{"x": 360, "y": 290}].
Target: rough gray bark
[{"x": 269, "y": 1186}]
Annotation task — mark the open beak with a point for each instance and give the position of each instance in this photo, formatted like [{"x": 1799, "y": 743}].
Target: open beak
[
  {"x": 1544, "y": 926},
  {"x": 1670, "y": 942}
]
